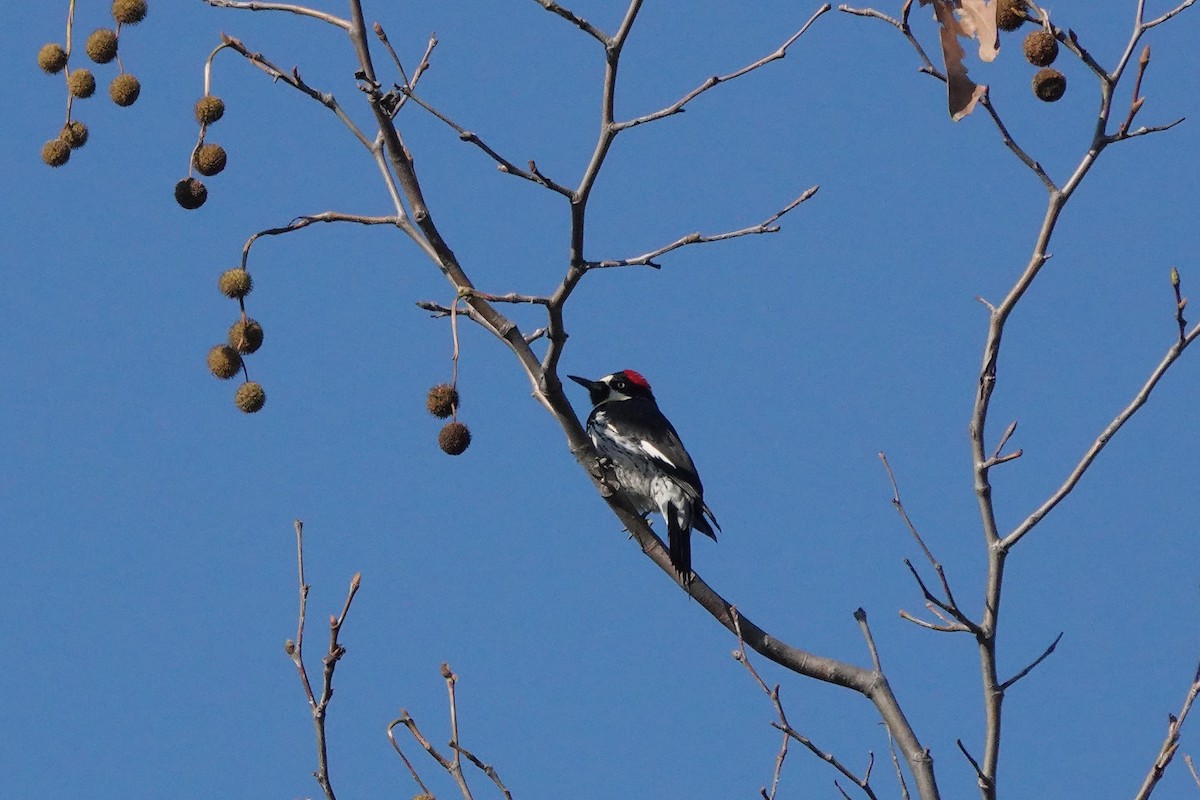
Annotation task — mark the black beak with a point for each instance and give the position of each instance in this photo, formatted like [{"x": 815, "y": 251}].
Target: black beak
[{"x": 597, "y": 391}]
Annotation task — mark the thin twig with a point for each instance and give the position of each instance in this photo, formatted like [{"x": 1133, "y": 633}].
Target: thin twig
[
  {"x": 502, "y": 163},
  {"x": 422, "y": 66},
  {"x": 303, "y": 11},
  {"x": 319, "y": 705},
  {"x": 1046, "y": 654},
  {"x": 455, "y": 766},
  {"x": 679, "y": 105},
  {"x": 984, "y": 780},
  {"x": 783, "y": 724},
  {"x": 396, "y": 746},
  {"x": 1136, "y": 101},
  {"x": 647, "y": 259},
  {"x": 487, "y": 769},
  {"x": 299, "y": 223},
  {"x": 1011, "y": 144},
  {"x": 1180, "y": 304},
  {"x": 892, "y": 742},
  {"x": 860, "y": 615},
  {"x": 578, "y": 22},
  {"x": 1139, "y": 400},
  {"x": 1187, "y": 759},
  {"x": 933, "y": 562},
  {"x": 294, "y": 80},
  {"x": 1171, "y": 744},
  {"x": 902, "y": 25},
  {"x": 963, "y": 623}
]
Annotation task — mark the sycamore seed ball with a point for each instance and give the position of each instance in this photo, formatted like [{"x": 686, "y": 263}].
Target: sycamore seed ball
[
  {"x": 56, "y": 152},
  {"x": 454, "y": 438},
  {"x": 1041, "y": 48},
  {"x": 210, "y": 159},
  {"x": 235, "y": 283},
  {"x": 442, "y": 400},
  {"x": 224, "y": 361},
  {"x": 246, "y": 336},
  {"x": 1010, "y": 14},
  {"x": 1049, "y": 84},
  {"x": 52, "y": 58},
  {"x": 209, "y": 109},
  {"x": 250, "y": 397},
  {"x": 124, "y": 89},
  {"x": 101, "y": 45},
  {"x": 129, "y": 12},
  {"x": 75, "y": 134},
  {"x": 82, "y": 83},
  {"x": 190, "y": 193}
]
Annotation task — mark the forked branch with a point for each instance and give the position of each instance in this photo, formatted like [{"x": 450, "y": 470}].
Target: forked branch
[{"x": 295, "y": 650}]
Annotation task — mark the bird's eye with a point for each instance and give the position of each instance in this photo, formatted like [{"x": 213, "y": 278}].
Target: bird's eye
[{"x": 619, "y": 384}]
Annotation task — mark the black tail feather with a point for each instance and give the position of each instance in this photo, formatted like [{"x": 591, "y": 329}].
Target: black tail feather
[{"x": 679, "y": 542}]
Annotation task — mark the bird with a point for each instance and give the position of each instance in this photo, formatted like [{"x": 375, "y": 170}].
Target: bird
[{"x": 650, "y": 463}]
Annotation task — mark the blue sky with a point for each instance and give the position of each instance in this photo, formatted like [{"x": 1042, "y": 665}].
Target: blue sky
[{"x": 148, "y": 583}]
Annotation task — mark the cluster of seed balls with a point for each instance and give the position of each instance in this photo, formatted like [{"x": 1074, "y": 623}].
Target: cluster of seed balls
[
  {"x": 101, "y": 47},
  {"x": 1041, "y": 48},
  {"x": 442, "y": 402},
  {"x": 208, "y": 159},
  {"x": 245, "y": 337}
]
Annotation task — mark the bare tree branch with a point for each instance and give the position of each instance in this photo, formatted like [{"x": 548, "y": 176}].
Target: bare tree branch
[
  {"x": 578, "y": 22},
  {"x": 892, "y": 745},
  {"x": 985, "y": 782},
  {"x": 502, "y": 163},
  {"x": 1139, "y": 400},
  {"x": 303, "y": 11},
  {"x": 295, "y": 649},
  {"x": 487, "y": 769},
  {"x": 901, "y": 25},
  {"x": 647, "y": 259},
  {"x": 783, "y": 724},
  {"x": 1192, "y": 769},
  {"x": 678, "y": 106},
  {"x": 950, "y": 606},
  {"x": 1171, "y": 744},
  {"x": 300, "y": 223},
  {"x": 396, "y": 746},
  {"x": 294, "y": 80},
  {"x": 1046, "y": 654},
  {"x": 1010, "y": 143}
]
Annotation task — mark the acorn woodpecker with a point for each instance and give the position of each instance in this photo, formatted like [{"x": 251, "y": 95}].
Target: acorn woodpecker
[{"x": 648, "y": 460}]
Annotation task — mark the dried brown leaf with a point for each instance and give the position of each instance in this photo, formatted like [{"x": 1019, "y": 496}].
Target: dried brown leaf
[
  {"x": 979, "y": 21},
  {"x": 962, "y": 92}
]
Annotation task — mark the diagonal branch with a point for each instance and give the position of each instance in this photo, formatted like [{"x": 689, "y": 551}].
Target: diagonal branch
[
  {"x": 1011, "y": 144},
  {"x": 294, "y": 80},
  {"x": 579, "y": 22},
  {"x": 678, "y": 106},
  {"x": 1139, "y": 400},
  {"x": 1045, "y": 654},
  {"x": 901, "y": 25},
  {"x": 647, "y": 259},
  {"x": 1171, "y": 744},
  {"x": 502, "y": 163},
  {"x": 950, "y": 607},
  {"x": 783, "y": 724}
]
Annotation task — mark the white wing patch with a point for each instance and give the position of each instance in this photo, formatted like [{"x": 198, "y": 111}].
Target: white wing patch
[{"x": 654, "y": 452}]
